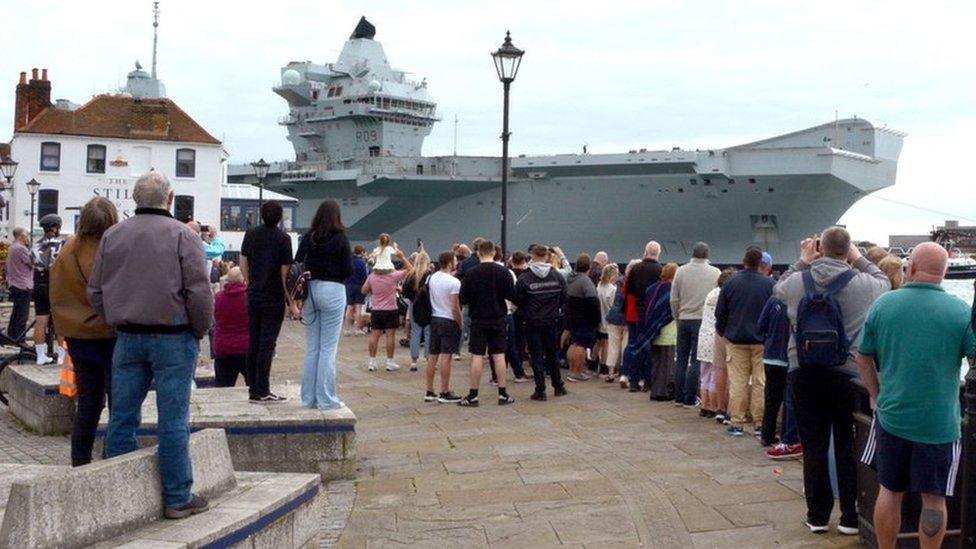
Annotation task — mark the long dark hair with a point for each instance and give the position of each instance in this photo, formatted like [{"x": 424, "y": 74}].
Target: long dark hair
[{"x": 327, "y": 220}]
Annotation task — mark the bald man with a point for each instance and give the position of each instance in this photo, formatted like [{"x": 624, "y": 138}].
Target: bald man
[
  {"x": 600, "y": 260},
  {"x": 911, "y": 347},
  {"x": 636, "y": 366}
]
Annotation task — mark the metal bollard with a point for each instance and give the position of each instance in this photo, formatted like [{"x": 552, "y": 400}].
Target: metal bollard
[{"x": 967, "y": 520}]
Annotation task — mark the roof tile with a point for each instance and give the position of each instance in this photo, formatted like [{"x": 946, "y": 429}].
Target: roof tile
[{"x": 122, "y": 117}]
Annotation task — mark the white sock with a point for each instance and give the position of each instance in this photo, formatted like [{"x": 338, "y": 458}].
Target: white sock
[{"x": 372, "y": 361}]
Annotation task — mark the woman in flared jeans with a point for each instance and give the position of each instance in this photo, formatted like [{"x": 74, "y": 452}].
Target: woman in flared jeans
[{"x": 322, "y": 316}]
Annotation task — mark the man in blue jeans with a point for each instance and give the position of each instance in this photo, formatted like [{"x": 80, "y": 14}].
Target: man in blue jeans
[
  {"x": 691, "y": 285},
  {"x": 150, "y": 283}
]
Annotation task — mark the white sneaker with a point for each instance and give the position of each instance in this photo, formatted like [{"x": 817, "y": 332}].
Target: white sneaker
[
  {"x": 372, "y": 366},
  {"x": 818, "y": 529},
  {"x": 847, "y": 530},
  {"x": 60, "y": 353},
  {"x": 392, "y": 366},
  {"x": 42, "y": 357}
]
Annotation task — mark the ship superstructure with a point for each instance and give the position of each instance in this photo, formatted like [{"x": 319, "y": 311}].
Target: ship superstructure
[{"x": 358, "y": 125}]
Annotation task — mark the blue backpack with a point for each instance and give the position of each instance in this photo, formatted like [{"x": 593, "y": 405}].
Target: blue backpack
[{"x": 821, "y": 341}]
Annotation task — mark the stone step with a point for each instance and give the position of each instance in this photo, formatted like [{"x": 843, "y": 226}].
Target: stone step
[
  {"x": 285, "y": 437},
  {"x": 118, "y": 502}
]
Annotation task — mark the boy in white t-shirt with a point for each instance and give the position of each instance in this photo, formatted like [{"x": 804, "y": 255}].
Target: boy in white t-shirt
[{"x": 445, "y": 327}]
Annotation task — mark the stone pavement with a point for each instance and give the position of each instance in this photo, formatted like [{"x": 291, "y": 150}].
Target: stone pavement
[{"x": 598, "y": 468}]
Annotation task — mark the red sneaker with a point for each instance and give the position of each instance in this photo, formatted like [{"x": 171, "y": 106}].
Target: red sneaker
[{"x": 784, "y": 452}]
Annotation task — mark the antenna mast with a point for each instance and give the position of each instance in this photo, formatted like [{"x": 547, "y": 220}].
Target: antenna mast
[
  {"x": 155, "y": 35},
  {"x": 455, "y": 133}
]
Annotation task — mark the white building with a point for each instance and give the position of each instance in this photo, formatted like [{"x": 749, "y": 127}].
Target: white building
[{"x": 101, "y": 148}]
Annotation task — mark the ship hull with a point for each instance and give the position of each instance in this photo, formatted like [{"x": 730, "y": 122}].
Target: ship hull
[{"x": 614, "y": 214}]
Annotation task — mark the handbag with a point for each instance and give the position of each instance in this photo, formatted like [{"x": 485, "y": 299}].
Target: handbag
[{"x": 298, "y": 279}]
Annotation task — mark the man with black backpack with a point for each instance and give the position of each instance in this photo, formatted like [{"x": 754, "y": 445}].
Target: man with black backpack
[{"x": 827, "y": 293}]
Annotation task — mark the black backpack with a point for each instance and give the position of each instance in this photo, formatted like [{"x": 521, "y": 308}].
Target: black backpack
[
  {"x": 821, "y": 340},
  {"x": 422, "y": 309}
]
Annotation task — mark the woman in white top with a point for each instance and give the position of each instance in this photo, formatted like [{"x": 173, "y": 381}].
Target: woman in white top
[
  {"x": 711, "y": 354},
  {"x": 608, "y": 335}
]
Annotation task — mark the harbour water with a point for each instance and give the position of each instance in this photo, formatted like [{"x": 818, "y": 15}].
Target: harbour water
[{"x": 963, "y": 289}]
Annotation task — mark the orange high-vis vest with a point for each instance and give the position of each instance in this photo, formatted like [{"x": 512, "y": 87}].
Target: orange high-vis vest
[{"x": 67, "y": 387}]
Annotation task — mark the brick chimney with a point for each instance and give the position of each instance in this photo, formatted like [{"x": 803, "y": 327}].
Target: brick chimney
[{"x": 32, "y": 97}]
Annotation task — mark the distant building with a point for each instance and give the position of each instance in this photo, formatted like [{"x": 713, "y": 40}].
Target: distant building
[
  {"x": 101, "y": 148},
  {"x": 906, "y": 241},
  {"x": 950, "y": 234}
]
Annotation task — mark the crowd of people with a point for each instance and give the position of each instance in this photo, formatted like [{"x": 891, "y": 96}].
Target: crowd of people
[{"x": 762, "y": 353}]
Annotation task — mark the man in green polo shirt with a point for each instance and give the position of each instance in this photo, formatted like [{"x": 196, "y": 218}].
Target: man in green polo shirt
[{"x": 909, "y": 358}]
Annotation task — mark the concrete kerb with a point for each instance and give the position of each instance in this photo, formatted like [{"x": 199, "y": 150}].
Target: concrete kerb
[
  {"x": 80, "y": 506},
  {"x": 283, "y": 437}
]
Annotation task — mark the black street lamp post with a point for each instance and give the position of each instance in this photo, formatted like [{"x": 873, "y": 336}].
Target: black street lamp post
[
  {"x": 8, "y": 168},
  {"x": 32, "y": 186},
  {"x": 261, "y": 170},
  {"x": 507, "y": 60}
]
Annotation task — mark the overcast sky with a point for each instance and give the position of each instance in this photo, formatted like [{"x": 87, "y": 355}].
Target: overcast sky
[{"x": 612, "y": 75}]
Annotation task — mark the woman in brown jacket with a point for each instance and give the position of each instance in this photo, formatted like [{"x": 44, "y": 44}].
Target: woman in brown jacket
[{"x": 90, "y": 341}]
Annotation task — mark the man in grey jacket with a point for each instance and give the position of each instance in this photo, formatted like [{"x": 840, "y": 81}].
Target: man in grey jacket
[
  {"x": 150, "y": 283},
  {"x": 691, "y": 284},
  {"x": 823, "y": 397}
]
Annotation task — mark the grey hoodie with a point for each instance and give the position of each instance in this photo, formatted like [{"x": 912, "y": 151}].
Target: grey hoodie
[{"x": 855, "y": 299}]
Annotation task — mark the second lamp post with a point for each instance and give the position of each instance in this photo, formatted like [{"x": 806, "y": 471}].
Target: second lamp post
[
  {"x": 507, "y": 60},
  {"x": 261, "y": 171}
]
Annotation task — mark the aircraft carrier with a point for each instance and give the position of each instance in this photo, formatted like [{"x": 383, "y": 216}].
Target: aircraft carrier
[{"x": 358, "y": 127}]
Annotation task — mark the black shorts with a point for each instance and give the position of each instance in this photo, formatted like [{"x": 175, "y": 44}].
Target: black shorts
[
  {"x": 445, "y": 337},
  {"x": 601, "y": 336},
  {"x": 42, "y": 300},
  {"x": 906, "y": 466},
  {"x": 384, "y": 320},
  {"x": 487, "y": 338},
  {"x": 354, "y": 296},
  {"x": 584, "y": 337}
]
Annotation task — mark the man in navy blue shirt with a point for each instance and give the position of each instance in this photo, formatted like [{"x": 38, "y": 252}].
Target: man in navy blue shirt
[{"x": 736, "y": 319}]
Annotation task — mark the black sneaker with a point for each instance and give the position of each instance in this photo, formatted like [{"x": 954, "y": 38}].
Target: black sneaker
[
  {"x": 505, "y": 399},
  {"x": 430, "y": 397},
  {"x": 265, "y": 399},
  {"x": 468, "y": 402},
  {"x": 448, "y": 398},
  {"x": 560, "y": 391},
  {"x": 277, "y": 398},
  {"x": 539, "y": 396},
  {"x": 195, "y": 506}
]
